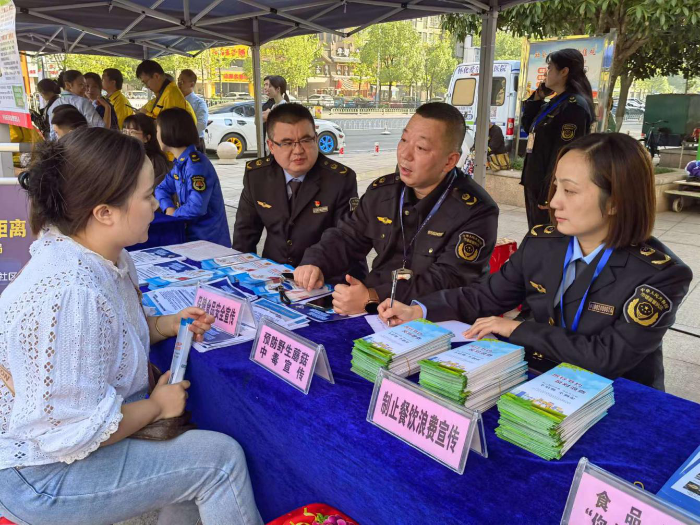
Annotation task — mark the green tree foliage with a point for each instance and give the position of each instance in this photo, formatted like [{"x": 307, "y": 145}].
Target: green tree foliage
[
  {"x": 637, "y": 22},
  {"x": 395, "y": 45},
  {"x": 438, "y": 65},
  {"x": 96, "y": 64},
  {"x": 291, "y": 58}
]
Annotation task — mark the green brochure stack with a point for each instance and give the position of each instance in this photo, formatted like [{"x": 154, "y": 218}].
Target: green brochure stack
[
  {"x": 399, "y": 349},
  {"x": 475, "y": 374},
  {"x": 549, "y": 413}
]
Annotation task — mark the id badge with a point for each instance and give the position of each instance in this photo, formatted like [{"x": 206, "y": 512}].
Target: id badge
[
  {"x": 530, "y": 143},
  {"x": 402, "y": 274}
]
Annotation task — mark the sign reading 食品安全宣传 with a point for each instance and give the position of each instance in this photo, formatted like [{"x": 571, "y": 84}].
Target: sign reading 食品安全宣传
[
  {"x": 13, "y": 99},
  {"x": 15, "y": 236}
]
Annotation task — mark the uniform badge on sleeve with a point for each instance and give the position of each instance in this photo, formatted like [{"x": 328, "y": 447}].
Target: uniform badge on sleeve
[
  {"x": 568, "y": 131},
  {"x": 647, "y": 306},
  {"x": 354, "y": 203},
  {"x": 199, "y": 183},
  {"x": 469, "y": 246}
]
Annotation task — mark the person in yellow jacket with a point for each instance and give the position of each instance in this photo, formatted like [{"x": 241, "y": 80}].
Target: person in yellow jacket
[
  {"x": 20, "y": 134},
  {"x": 112, "y": 82},
  {"x": 168, "y": 95}
]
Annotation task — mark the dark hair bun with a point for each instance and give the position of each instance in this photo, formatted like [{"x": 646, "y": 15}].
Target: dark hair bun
[{"x": 44, "y": 181}]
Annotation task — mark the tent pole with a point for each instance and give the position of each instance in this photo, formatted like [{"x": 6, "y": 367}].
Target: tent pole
[
  {"x": 483, "y": 112},
  {"x": 6, "y": 166},
  {"x": 257, "y": 89}
]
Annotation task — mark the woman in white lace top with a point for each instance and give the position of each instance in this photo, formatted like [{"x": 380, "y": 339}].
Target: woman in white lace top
[{"x": 74, "y": 345}]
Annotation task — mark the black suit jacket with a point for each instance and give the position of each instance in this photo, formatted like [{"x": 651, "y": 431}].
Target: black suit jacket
[
  {"x": 324, "y": 197},
  {"x": 627, "y": 311}
]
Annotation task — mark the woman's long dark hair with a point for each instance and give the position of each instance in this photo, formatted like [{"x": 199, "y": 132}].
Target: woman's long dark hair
[
  {"x": 145, "y": 124},
  {"x": 67, "y": 76},
  {"x": 577, "y": 81},
  {"x": 279, "y": 82}
]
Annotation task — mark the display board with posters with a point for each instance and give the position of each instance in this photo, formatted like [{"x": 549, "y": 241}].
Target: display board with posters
[
  {"x": 13, "y": 99},
  {"x": 15, "y": 235},
  {"x": 597, "y": 54}
]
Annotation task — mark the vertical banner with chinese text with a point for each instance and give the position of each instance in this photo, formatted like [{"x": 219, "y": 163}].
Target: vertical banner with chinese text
[
  {"x": 15, "y": 237},
  {"x": 13, "y": 98}
]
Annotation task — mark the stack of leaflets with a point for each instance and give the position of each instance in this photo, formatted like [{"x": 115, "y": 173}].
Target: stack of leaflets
[
  {"x": 229, "y": 260},
  {"x": 548, "y": 414},
  {"x": 201, "y": 250},
  {"x": 683, "y": 489},
  {"x": 171, "y": 273},
  {"x": 150, "y": 256},
  {"x": 399, "y": 349},
  {"x": 475, "y": 374}
]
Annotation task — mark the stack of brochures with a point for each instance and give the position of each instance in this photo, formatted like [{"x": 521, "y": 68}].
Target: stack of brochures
[
  {"x": 683, "y": 489},
  {"x": 399, "y": 349},
  {"x": 548, "y": 414},
  {"x": 475, "y": 374}
]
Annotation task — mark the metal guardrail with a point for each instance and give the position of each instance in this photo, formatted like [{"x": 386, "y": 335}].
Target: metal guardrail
[
  {"x": 16, "y": 147},
  {"x": 370, "y": 111},
  {"x": 366, "y": 124}
]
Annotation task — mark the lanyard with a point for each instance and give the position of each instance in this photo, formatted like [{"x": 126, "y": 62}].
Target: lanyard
[
  {"x": 436, "y": 207},
  {"x": 547, "y": 111},
  {"x": 599, "y": 268}
]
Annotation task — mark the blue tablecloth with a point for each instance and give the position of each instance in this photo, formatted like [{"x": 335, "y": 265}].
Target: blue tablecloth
[
  {"x": 320, "y": 448},
  {"x": 163, "y": 231}
]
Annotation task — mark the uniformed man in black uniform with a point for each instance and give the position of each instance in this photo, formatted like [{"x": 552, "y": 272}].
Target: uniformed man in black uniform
[
  {"x": 295, "y": 193},
  {"x": 434, "y": 226},
  {"x": 551, "y": 125},
  {"x": 618, "y": 299}
]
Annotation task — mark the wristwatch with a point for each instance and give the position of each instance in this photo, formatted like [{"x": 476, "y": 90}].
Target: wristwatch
[{"x": 372, "y": 303}]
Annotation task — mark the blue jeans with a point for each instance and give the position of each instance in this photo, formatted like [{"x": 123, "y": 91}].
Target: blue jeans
[{"x": 198, "y": 474}]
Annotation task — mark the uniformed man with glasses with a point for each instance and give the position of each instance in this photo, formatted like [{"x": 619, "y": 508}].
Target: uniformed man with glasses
[{"x": 295, "y": 193}]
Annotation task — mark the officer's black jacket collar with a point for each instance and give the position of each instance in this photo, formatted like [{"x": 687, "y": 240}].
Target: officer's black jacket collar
[
  {"x": 424, "y": 205},
  {"x": 307, "y": 192},
  {"x": 555, "y": 261}
]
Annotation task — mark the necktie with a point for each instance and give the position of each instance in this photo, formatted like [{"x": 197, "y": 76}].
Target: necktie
[{"x": 294, "y": 185}]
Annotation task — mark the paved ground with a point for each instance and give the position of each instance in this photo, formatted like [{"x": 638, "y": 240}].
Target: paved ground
[{"x": 679, "y": 231}]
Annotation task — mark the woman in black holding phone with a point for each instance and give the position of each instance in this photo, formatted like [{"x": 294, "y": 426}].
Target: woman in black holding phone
[{"x": 551, "y": 125}]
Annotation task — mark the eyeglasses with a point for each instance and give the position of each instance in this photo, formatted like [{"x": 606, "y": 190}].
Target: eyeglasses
[
  {"x": 130, "y": 131},
  {"x": 288, "y": 145}
]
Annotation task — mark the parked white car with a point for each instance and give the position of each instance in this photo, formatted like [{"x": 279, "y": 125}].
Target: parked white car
[
  {"x": 235, "y": 122},
  {"x": 137, "y": 98},
  {"x": 325, "y": 101},
  {"x": 237, "y": 95}
]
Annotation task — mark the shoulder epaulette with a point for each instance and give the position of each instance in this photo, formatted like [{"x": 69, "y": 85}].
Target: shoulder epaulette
[
  {"x": 544, "y": 230},
  {"x": 465, "y": 197},
  {"x": 337, "y": 167},
  {"x": 385, "y": 180},
  {"x": 258, "y": 163},
  {"x": 194, "y": 156},
  {"x": 652, "y": 256}
]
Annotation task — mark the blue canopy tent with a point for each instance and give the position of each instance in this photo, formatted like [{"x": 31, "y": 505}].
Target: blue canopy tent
[{"x": 152, "y": 28}]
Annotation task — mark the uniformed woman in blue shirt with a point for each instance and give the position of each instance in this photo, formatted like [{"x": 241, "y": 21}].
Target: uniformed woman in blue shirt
[
  {"x": 602, "y": 290},
  {"x": 193, "y": 179}
]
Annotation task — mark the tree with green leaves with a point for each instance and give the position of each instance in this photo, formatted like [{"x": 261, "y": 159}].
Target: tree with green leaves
[
  {"x": 637, "y": 22},
  {"x": 291, "y": 58},
  {"x": 394, "y": 44},
  {"x": 438, "y": 65},
  {"x": 96, "y": 63}
]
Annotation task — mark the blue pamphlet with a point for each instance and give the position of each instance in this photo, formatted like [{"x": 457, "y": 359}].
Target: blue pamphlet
[{"x": 683, "y": 488}]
